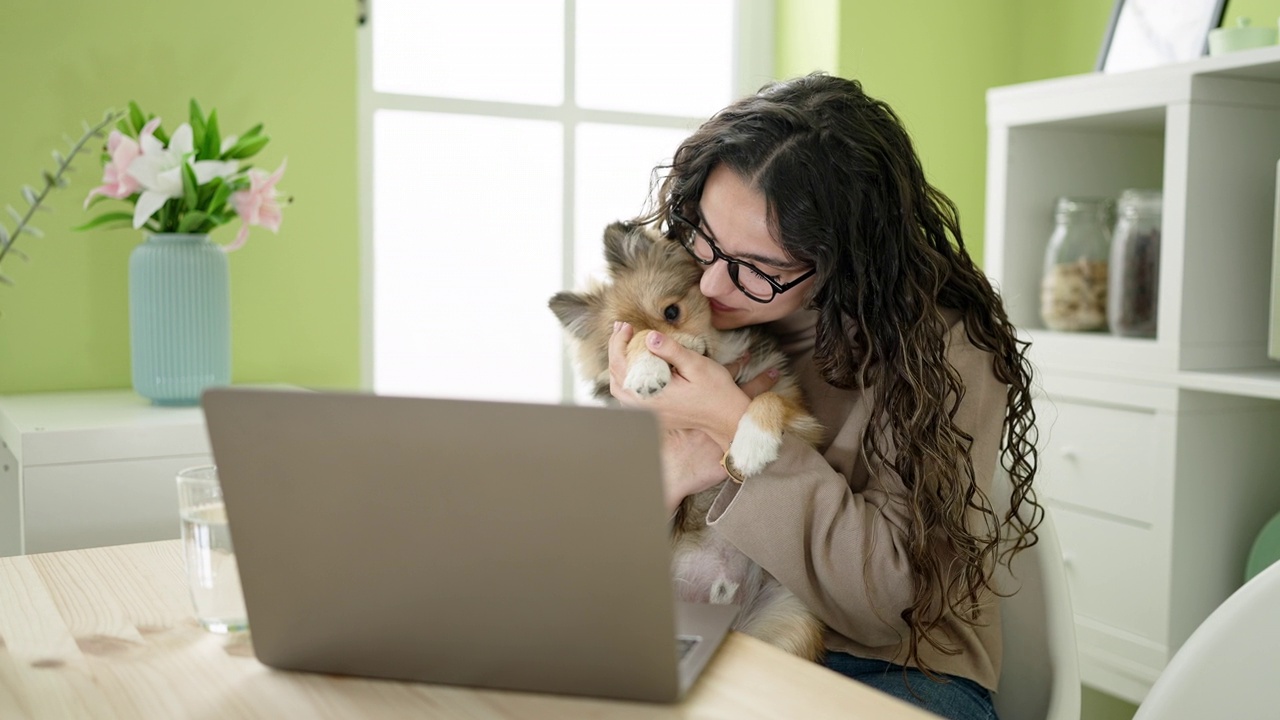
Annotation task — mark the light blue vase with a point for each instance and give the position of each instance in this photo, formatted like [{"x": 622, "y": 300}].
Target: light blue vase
[{"x": 179, "y": 318}]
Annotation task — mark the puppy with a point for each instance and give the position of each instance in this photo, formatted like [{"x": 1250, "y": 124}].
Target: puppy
[{"x": 653, "y": 285}]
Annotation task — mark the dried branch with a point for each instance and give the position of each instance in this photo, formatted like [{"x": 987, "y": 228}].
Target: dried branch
[{"x": 52, "y": 180}]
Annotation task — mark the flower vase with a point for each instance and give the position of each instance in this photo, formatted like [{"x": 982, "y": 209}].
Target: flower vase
[{"x": 179, "y": 318}]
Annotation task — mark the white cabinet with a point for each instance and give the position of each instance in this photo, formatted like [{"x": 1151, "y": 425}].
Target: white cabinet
[
  {"x": 84, "y": 469},
  {"x": 1160, "y": 457}
]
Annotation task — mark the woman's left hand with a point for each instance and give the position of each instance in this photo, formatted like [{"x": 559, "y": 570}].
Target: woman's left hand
[{"x": 702, "y": 394}]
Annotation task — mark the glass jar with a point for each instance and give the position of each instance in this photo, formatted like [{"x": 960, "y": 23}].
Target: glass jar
[
  {"x": 1073, "y": 291},
  {"x": 1132, "y": 294}
]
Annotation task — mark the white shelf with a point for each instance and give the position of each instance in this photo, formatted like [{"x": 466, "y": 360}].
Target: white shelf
[
  {"x": 1095, "y": 351},
  {"x": 1259, "y": 383},
  {"x": 1181, "y": 428},
  {"x": 95, "y": 426},
  {"x": 83, "y": 469},
  {"x": 1135, "y": 99}
]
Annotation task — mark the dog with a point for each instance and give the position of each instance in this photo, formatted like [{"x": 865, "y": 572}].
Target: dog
[{"x": 653, "y": 285}]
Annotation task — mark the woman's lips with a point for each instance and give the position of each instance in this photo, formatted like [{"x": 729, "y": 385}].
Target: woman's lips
[{"x": 718, "y": 307}]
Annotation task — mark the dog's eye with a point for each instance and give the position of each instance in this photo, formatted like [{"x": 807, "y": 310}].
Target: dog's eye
[{"x": 671, "y": 313}]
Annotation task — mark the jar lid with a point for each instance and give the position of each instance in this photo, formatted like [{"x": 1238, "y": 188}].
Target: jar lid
[
  {"x": 1078, "y": 203},
  {"x": 1135, "y": 200}
]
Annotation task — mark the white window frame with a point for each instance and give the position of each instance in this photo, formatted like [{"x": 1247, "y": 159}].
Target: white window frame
[{"x": 752, "y": 67}]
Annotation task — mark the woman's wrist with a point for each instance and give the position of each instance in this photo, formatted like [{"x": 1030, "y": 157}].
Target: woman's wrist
[{"x": 727, "y": 426}]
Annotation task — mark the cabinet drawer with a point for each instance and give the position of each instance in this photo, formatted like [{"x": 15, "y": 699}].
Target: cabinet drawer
[
  {"x": 1118, "y": 573},
  {"x": 81, "y": 505},
  {"x": 1098, "y": 457}
]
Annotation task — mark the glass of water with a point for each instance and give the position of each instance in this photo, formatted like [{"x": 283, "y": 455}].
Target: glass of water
[{"x": 206, "y": 544}]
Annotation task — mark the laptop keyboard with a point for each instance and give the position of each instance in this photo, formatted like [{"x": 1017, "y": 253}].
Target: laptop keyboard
[{"x": 685, "y": 645}]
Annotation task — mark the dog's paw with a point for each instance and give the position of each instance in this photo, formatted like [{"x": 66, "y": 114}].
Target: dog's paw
[
  {"x": 647, "y": 375},
  {"x": 753, "y": 447}
]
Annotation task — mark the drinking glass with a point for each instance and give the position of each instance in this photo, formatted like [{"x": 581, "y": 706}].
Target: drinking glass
[{"x": 210, "y": 557}]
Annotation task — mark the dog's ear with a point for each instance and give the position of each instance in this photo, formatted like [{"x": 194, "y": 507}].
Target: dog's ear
[
  {"x": 623, "y": 243},
  {"x": 575, "y": 311}
]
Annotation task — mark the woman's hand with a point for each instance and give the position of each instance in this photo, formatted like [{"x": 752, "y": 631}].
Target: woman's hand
[
  {"x": 690, "y": 464},
  {"x": 701, "y": 395}
]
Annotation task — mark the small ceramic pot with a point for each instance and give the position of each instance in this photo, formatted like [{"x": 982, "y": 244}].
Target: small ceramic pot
[{"x": 1241, "y": 37}]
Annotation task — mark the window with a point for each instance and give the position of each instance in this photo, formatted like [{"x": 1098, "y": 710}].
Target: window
[{"x": 497, "y": 139}]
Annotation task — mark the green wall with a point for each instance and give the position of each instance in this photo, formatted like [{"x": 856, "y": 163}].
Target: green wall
[
  {"x": 933, "y": 62},
  {"x": 288, "y": 64}
]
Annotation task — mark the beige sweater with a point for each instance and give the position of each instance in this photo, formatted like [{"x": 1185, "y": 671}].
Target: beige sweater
[{"x": 831, "y": 528}]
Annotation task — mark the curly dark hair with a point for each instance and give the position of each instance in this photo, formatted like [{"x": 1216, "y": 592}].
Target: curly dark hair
[{"x": 846, "y": 193}]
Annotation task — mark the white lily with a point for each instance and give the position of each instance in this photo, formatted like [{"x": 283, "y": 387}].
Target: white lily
[{"x": 159, "y": 169}]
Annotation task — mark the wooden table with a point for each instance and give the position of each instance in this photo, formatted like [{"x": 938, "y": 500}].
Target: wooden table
[{"x": 109, "y": 633}]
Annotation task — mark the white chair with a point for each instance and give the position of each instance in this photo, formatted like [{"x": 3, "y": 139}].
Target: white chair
[
  {"x": 1040, "y": 674},
  {"x": 1227, "y": 668}
]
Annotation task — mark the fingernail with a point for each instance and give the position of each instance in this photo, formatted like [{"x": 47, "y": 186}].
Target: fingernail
[
  {"x": 772, "y": 372},
  {"x": 655, "y": 339},
  {"x": 616, "y": 325}
]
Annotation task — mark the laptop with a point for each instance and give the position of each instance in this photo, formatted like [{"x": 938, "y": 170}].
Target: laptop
[{"x": 498, "y": 545}]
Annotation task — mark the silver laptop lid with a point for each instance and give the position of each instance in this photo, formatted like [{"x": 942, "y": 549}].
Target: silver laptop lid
[{"x": 489, "y": 544}]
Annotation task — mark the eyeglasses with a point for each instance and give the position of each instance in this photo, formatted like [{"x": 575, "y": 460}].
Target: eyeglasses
[{"x": 754, "y": 283}]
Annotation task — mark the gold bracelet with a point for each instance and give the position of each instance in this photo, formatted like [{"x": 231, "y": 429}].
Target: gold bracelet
[{"x": 727, "y": 464}]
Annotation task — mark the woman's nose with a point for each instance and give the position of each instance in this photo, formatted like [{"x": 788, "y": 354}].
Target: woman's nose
[{"x": 715, "y": 279}]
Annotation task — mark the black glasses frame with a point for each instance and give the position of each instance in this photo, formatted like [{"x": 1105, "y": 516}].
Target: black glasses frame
[{"x": 732, "y": 264}]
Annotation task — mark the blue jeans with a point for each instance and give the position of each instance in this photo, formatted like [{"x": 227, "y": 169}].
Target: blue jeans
[{"x": 958, "y": 699}]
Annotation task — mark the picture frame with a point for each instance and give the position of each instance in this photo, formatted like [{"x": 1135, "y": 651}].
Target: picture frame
[{"x": 1149, "y": 33}]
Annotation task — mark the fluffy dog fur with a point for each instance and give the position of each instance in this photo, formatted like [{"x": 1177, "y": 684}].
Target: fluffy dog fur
[{"x": 653, "y": 285}]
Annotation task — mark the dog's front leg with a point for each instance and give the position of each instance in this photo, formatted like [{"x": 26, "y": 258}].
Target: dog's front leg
[{"x": 646, "y": 373}]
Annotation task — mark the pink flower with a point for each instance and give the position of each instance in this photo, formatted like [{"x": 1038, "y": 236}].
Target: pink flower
[
  {"x": 116, "y": 181},
  {"x": 258, "y": 205}
]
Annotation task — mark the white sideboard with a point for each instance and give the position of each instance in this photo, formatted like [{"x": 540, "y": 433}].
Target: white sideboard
[
  {"x": 85, "y": 469},
  {"x": 1159, "y": 457}
]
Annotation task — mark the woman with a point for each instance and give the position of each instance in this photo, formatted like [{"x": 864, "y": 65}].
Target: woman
[{"x": 809, "y": 210}]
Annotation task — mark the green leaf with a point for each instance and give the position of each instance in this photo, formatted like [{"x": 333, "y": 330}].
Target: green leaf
[
  {"x": 105, "y": 218},
  {"x": 207, "y": 191},
  {"x": 190, "y": 189},
  {"x": 192, "y": 221},
  {"x": 97, "y": 199},
  {"x": 220, "y": 197},
  {"x": 197, "y": 127},
  {"x": 213, "y": 140},
  {"x": 247, "y": 147},
  {"x": 136, "y": 118},
  {"x": 6, "y": 280},
  {"x": 253, "y": 131},
  {"x": 197, "y": 115},
  {"x": 161, "y": 135}
]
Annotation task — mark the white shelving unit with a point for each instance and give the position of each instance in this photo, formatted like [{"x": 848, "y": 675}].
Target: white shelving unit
[
  {"x": 1159, "y": 457},
  {"x": 85, "y": 469}
]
